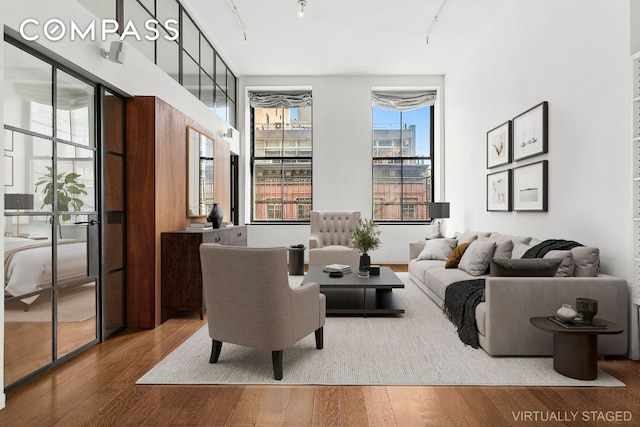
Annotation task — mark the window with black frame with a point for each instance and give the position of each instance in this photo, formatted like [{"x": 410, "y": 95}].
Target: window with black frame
[
  {"x": 190, "y": 59},
  {"x": 281, "y": 156},
  {"x": 402, "y": 153}
]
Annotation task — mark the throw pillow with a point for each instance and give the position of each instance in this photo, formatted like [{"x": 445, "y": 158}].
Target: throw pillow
[
  {"x": 499, "y": 237},
  {"x": 476, "y": 258},
  {"x": 566, "y": 267},
  {"x": 465, "y": 237},
  {"x": 478, "y": 233},
  {"x": 519, "y": 249},
  {"x": 503, "y": 250},
  {"x": 530, "y": 267},
  {"x": 456, "y": 255},
  {"x": 438, "y": 249},
  {"x": 586, "y": 261}
]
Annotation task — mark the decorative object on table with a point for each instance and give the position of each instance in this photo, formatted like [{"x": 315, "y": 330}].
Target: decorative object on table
[
  {"x": 577, "y": 323},
  {"x": 566, "y": 312},
  {"x": 499, "y": 145},
  {"x": 499, "y": 191},
  {"x": 201, "y": 225},
  {"x": 438, "y": 211},
  {"x": 374, "y": 270},
  {"x": 587, "y": 308},
  {"x": 365, "y": 238},
  {"x": 342, "y": 268},
  {"x": 18, "y": 202},
  {"x": 215, "y": 215},
  {"x": 530, "y": 132},
  {"x": 530, "y": 184},
  {"x": 336, "y": 274}
]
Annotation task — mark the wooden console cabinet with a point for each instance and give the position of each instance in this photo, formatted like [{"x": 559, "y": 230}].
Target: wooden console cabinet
[{"x": 181, "y": 283}]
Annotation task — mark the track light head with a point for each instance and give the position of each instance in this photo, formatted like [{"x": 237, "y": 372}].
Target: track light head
[
  {"x": 302, "y": 4},
  {"x": 116, "y": 53}
]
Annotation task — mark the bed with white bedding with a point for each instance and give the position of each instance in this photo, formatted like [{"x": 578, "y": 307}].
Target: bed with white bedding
[{"x": 28, "y": 267}]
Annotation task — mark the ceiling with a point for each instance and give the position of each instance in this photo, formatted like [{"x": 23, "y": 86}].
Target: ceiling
[{"x": 341, "y": 37}]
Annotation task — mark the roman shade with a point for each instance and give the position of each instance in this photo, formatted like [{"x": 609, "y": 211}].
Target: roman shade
[
  {"x": 403, "y": 100},
  {"x": 263, "y": 99}
]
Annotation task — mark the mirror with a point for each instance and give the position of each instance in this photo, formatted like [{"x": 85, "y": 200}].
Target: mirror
[{"x": 199, "y": 173}]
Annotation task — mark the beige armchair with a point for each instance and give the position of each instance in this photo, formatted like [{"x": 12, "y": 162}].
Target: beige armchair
[
  {"x": 250, "y": 303},
  {"x": 330, "y": 241}
]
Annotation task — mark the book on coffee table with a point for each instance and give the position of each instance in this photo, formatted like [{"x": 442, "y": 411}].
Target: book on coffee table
[
  {"x": 577, "y": 323},
  {"x": 337, "y": 267}
]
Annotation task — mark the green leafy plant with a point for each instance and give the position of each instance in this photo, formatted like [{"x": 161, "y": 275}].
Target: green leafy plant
[
  {"x": 365, "y": 236},
  {"x": 68, "y": 190}
]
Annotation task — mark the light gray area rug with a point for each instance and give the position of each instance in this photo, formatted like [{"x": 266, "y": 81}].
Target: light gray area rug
[{"x": 419, "y": 348}]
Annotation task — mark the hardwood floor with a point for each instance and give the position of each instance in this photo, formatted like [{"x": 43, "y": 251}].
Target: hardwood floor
[{"x": 98, "y": 388}]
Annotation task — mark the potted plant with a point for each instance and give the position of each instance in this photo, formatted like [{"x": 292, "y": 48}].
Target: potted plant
[
  {"x": 365, "y": 238},
  {"x": 68, "y": 190}
]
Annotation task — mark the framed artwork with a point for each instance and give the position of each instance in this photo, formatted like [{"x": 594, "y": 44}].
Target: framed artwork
[
  {"x": 499, "y": 145},
  {"x": 8, "y": 140},
  {"x": 499, "y": 191},
  {"x": 8, "y": 171},
  {"x": 530, "y": 187},
  {"x": 530, "y": 132}
]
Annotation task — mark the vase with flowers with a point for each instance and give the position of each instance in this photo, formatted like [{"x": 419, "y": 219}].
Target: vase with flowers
[{"x": 365, "y": 237}]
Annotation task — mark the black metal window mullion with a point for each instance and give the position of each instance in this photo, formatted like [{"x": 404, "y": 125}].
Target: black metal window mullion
[{"x": 54, "y": 235}]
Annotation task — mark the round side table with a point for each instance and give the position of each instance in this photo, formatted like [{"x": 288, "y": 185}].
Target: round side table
[
  {"x": 575, "y": 350},
  {"x": 296, "y": 260}
]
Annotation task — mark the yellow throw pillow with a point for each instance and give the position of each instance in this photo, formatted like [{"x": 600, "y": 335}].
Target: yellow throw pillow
[{"x": 456, "y": 255}]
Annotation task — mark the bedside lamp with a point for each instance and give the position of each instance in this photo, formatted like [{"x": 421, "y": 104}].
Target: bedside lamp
[
  {"x": 18, "y": 202},
  {"x": 437, "y": 211}
]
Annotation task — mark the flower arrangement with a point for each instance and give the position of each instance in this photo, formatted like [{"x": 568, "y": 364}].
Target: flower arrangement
[{"x": 365, "y": 236}]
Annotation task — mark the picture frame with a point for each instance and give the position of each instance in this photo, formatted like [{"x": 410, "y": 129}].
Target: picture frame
[
  {"x": 8, "y": 171},
  {"x": 530, "y": 187},
  {"x": 530, "y": 132},
  {"x": 499, "y": 145},
  {"x": 8, "y": 140},
  {"x": 499, "y": 191}
]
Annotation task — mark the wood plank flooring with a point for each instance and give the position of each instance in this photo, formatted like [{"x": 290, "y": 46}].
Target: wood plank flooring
[{"x": 97, "y": 388}]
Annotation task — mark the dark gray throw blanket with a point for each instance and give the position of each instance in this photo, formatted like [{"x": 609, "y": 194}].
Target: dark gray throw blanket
[
  {"x": 542, "y": 248},
  {"x": 460, "y": 302}
]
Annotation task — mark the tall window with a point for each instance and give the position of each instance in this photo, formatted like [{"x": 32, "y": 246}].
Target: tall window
[
  {"x": 402, "y": 155},
  {"x": 281, "y": 154}
]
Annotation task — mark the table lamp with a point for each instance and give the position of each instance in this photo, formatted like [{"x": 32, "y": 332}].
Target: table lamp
[
  {"x": 437, "y": 211},
  {"x": 18, "y": 202}
]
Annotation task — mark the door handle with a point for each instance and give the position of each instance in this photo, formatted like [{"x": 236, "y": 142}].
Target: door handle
[{"x": 92, "y": 222}]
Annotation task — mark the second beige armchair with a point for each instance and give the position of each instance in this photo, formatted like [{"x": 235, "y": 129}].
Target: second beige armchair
[{"x": 330, "y": 240}]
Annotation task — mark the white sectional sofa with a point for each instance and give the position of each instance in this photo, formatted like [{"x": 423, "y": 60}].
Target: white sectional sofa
[{"x": 509, "y": 302}]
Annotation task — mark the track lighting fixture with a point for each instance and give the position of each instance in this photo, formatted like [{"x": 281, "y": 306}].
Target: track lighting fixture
[{"x": 302, "y": 4}]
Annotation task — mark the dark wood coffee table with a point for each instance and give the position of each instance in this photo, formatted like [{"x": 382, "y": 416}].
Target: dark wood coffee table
[
  {"x": 351, "y": 294},
  {"x": 575, "y": 350}
]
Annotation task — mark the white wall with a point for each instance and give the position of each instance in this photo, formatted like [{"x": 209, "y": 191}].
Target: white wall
[
  {"x": 138, "y": 76},
  {"x": 635, "y": 25},
  {"x": 575, "y": 55},
  {"x": 341, "y": 156}
]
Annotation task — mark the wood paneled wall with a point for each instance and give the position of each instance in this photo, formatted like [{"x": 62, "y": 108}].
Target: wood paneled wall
[{"x": 157, "y": 196}]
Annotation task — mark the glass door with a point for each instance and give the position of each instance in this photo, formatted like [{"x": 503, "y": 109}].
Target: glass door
[{"x": 52, "y": 215}]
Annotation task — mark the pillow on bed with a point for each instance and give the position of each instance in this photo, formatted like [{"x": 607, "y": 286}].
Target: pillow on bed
[
  {"x": 476, "y": 258},
  {"x": 456, "y": 255},
  {"x": 439, "y": 249},
  {"x": 528, "y": 267}
]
